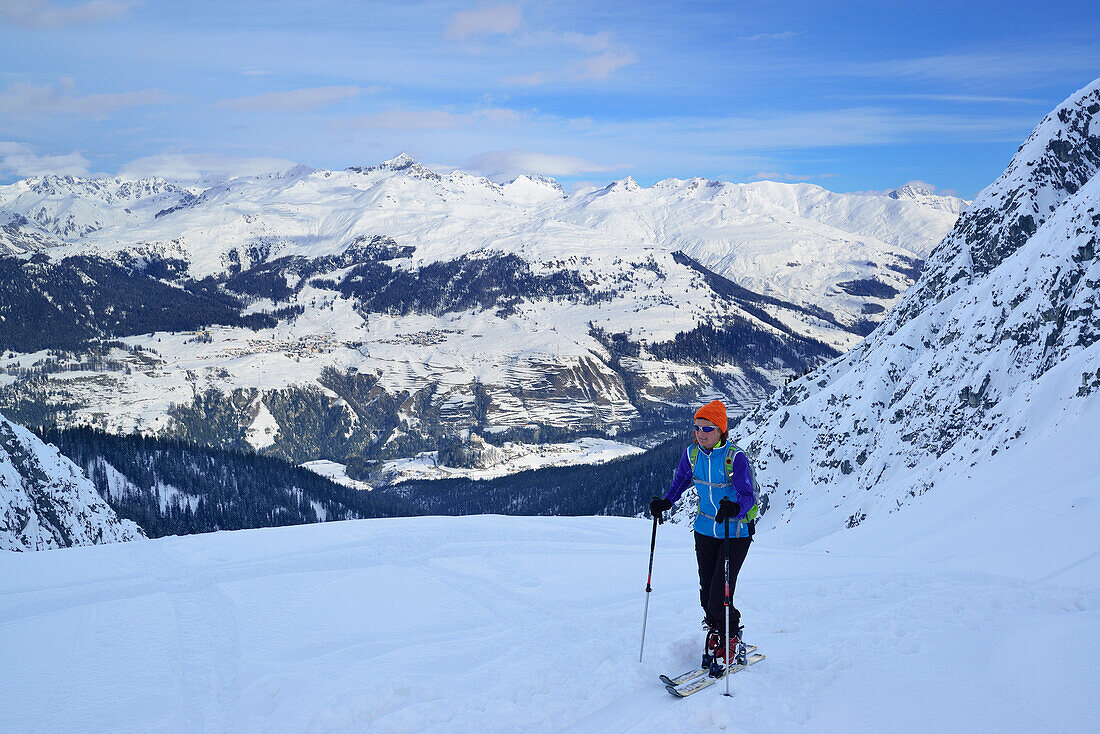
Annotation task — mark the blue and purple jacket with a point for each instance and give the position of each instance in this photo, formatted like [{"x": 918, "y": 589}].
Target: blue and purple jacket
[{"x": 710, "y": 482}]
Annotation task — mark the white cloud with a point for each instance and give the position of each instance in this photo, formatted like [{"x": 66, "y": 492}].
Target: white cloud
[
  {"x": 44, "y": 14},
  {"x": 595, "y": 68},
  {"x": 494, "y": 19},
  {"x": 199, "y": 167},
  {"x": 30, "y": 100},
  {"x": 860, "y": 126},
  {"x": 409, "y": 120},
  {"x": 512, "y": 163},
  {"x": 1011, "y": 63},
  {"x": 599, "y": 68},
  {"x": 20, "y": 160},
  {"x": 294, "y": 100},
  {"x": 775, "y": 176}
]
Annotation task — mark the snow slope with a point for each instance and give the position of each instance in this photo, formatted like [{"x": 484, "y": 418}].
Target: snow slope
[
  {"x": 492, "y": 624},
  {"x": 46, "y": 501}
]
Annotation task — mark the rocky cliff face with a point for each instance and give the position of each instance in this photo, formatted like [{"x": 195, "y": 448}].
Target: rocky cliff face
[
  {"x": 993, "y": 350},
  {"x": 46, "y": 501}
]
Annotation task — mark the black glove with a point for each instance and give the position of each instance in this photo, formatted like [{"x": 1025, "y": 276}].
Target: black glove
[
  {"x": 658, "y": 506},
  {"x": 727, "y": 510}
]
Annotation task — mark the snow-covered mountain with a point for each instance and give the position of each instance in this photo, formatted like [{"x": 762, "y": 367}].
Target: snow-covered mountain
[
  {"x": 46, "y": 501},
  {"x": 980, "y": 392},
  {"x": 795, "y": 242},
  {"x": 379, "y": 305},
  {"x": 923, "y": 193},
  {"x": 69, "y": 208}
]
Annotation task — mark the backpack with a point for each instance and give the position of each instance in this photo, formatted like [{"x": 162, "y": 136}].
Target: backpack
[{"x": 731, "y": 452}]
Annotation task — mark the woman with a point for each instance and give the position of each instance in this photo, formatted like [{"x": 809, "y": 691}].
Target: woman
[{"x": 724, "y": 482}]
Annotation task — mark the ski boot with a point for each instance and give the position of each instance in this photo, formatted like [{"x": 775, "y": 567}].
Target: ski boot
[
  {"x": 716, "y": 647},
  {"x": 718, "y": 655},
  {"x": 714, "y": 637}
]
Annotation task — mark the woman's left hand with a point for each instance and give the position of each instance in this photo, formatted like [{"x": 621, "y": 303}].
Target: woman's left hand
[{"x": 727, "y": 510}]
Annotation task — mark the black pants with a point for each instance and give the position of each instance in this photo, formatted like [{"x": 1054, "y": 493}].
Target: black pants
[{"x": 712, "y": 577}]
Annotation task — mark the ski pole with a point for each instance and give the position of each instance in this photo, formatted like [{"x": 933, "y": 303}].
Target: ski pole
[
  {"x": 727, "y": 602},
  {"x": 648, "y": 585}
]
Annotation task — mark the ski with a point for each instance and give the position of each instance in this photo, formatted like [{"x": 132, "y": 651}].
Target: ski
[
  {"x": 690, "y": 674},
  {"x": 697, "y": 684}
]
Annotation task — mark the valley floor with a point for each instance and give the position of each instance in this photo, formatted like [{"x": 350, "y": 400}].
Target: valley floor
[{"x": 494, "y": 624}]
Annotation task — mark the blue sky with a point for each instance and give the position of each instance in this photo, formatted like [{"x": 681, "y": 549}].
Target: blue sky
[{"x": 851, "y": 96}]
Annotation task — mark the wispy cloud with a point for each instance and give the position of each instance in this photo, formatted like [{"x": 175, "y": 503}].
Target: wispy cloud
[
  {"x": 584, "y": 42},
  {"x": 44, "y": 14},
  {"x": 20, "y": 160},
  {"x": 512, "y": 163},
  {"x": 199, "y": 167},
  {"x": 964, "y": 98},
  {"x": 410, "y": 120},
  {"x": 484, "y": 21},
  {"x": 295, "y": 100},
  {"x": 32, "y": 100},
  {"x": 781, "y": 36},
  {"x": 602, "y": 55},
  {"x": 857, "y": 127},
  {"x": 775, "y": 176},
  {"x": 979, "y": 66},
  {"x": 599, "y": 68}
]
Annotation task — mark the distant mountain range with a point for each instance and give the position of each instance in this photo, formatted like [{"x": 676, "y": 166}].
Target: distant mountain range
[{"x": 377, "y": 313}]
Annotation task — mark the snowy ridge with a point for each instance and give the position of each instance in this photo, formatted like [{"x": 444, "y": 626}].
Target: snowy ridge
[
  {"x": 46, "y": 501},
  {"x": 70, "y": 208},
  {"x": 982, "y": 383},
  {"x": 788, "y": 240}
]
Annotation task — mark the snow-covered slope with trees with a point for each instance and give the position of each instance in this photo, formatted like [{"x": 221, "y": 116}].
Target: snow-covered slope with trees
[
  {"x": 46, "y": 501},
  {"x": 988, "y": 368}
]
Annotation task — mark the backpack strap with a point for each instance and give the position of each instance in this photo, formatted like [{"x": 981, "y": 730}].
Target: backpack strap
[{"x": 754, "y": 511}]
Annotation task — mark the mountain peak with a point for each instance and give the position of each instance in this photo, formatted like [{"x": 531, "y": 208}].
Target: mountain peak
[
  {"x": 537, "y": 180},
  {"x": 624, "y": 184},
  {"x": 399, "y": 162},
  {"x": 912, "y": 190},
  {"x": 404, "y": 164}
]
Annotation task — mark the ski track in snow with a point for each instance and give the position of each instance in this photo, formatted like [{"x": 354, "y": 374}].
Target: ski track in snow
[{"x": 492, "y": 624}]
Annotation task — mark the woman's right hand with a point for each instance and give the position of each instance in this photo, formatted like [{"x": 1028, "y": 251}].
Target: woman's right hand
[{"x": 658, "y": 506}]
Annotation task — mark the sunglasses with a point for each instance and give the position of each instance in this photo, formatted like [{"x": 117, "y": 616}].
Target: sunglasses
[{"x": 704, "y": 429}]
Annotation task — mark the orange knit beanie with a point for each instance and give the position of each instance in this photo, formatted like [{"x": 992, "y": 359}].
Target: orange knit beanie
[{"x": 715, "y": 412}]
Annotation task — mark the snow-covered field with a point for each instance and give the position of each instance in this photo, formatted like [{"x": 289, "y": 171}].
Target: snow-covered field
[
  {"x": 495, "y": 624},
  {"x": 513, "y": 457}
]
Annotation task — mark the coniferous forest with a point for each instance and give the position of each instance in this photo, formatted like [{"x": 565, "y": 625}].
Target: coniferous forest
[{"x": 170, "y": 487}]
